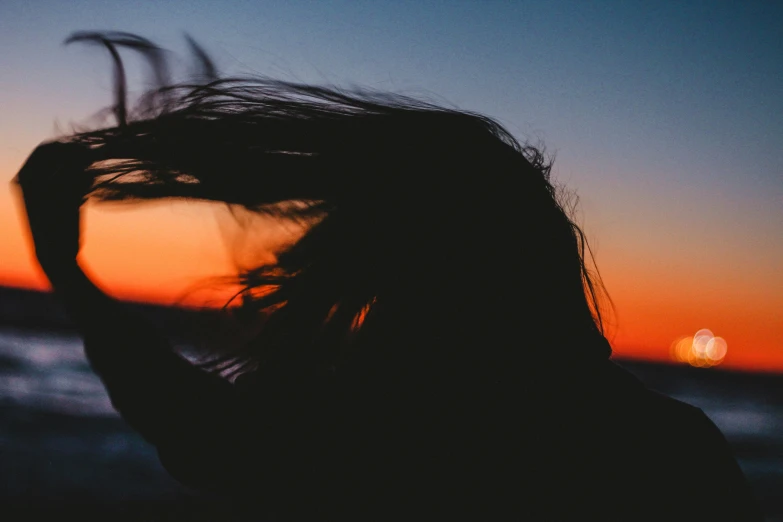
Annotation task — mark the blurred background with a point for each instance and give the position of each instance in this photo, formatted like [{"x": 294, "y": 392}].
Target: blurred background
[{"x": 665, "y": 119}]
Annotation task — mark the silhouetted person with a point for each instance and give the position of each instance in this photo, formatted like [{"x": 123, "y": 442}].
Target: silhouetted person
[{"x": 432, "y": 347}]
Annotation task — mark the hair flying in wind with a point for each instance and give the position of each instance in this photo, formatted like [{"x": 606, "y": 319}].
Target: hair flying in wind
[{"x": 418, "y": 216}]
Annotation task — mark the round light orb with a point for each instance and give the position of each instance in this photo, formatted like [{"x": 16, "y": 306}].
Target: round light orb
[
  {"x": 700, "y": 340},
  {"x": 716, "y": 349},
  {"x": 683, "y": 349}
]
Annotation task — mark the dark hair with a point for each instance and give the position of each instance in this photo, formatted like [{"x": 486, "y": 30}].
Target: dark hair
[{"x": 420, "y": 218}]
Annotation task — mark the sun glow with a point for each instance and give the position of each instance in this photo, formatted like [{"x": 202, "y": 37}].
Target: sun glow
[{"x": 703, "y": 349}]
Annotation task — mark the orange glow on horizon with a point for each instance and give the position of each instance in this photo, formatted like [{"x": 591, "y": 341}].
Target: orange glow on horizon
[{"x": 174, "y": 253}]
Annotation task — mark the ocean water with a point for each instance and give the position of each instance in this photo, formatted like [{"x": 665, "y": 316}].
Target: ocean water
[
  {"x": 64, "y": 449},
  {"x": 48, "y": 372}
]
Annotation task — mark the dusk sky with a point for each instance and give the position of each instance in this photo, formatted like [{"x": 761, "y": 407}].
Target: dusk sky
[{"x": 666, "y": 118}]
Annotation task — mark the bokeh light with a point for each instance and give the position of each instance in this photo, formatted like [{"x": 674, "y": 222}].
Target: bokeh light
[
  {"x": 716, "y": 349},
  {"x": 702, "y": 350}
]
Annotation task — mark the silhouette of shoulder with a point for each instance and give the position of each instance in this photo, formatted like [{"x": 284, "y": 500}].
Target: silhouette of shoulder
[
  {"x": 666, "y": 460},
  {"x": 598, "y": 444}
]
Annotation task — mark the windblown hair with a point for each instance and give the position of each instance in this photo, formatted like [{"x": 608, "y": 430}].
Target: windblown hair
[{"x": 420, "y": 218}]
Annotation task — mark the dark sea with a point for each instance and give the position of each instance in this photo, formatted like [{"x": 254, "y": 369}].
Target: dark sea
[{"x": 64, "y": 452}]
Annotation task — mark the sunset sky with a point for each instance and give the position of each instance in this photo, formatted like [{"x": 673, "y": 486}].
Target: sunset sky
[{"x": 666, "y": 118}]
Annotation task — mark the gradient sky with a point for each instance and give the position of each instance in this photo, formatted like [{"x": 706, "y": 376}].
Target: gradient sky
[{"x": 666, "y": 118}]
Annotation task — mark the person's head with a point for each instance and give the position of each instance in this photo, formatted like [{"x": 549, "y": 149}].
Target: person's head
[{"x": 423, "y": 220}]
